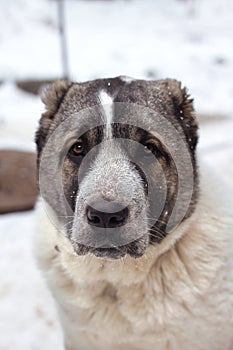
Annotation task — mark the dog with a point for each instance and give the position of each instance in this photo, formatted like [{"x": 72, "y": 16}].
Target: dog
[{"x": 134, "y": 235}]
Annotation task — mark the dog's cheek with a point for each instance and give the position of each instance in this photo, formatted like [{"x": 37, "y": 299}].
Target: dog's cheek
[
  {"x": 70, "y": 183},
  {"x": 163, "y": 181}
]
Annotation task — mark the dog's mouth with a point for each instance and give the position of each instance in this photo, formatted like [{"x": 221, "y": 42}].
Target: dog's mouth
[
  {"x": 135, "y": 249},
  {"x": 110, "y": 253}
]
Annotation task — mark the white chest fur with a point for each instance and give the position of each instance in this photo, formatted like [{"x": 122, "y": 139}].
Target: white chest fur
[{"x": 177, "y": 297}]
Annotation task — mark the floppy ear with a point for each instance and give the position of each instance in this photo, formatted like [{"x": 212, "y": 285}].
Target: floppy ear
[
  {"x": 52, "y": 97},
  {"x": 184, "y": 110}
]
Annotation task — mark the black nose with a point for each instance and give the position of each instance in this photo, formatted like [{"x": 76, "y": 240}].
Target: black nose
[{"x": 107, "y": 214}]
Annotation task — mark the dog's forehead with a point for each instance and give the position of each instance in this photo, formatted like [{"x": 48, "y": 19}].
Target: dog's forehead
[
  {"x": 150, "y": 94},
  {"x": 114, "y": 100}
]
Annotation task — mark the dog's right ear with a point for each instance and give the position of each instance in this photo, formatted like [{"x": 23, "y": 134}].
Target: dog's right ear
[{"x": 52, "y": 97}]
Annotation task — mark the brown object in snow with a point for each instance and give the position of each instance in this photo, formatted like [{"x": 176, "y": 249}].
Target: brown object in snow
[
  {"x": 33, "y": 86},
  {"x": 18, "y": 184}
]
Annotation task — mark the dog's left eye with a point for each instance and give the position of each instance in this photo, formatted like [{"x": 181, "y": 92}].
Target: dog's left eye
[
  {"x": 150, "y": 150},
  {"x": 149, "y": 153}
]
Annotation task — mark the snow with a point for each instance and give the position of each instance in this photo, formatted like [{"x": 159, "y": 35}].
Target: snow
[
  {"x": 190, "y": 41},
  {"x": 27, "y": 312}
]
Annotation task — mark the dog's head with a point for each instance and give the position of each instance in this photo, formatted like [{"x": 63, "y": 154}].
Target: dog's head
[{"x": 116, "y": 162}]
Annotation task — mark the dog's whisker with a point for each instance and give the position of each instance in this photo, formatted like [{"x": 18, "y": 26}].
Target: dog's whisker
[{"x": 156, "y": 235}]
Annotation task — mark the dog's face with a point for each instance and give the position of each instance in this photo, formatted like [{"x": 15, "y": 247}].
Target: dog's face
[{"x": 116, "y": 161}]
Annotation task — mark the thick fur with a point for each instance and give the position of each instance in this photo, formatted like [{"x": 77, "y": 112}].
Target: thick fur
[{"x": 177, "y": 296}]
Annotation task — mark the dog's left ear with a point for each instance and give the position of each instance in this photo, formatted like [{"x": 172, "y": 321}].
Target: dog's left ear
[
  {"x": 183, "y": 108},
  {"x": 52, "y": 97}
]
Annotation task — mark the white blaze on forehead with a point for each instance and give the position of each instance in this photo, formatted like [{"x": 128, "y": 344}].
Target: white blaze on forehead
[
  {"x": 126, "y": 79},
  {"x": 107, "y": 103}
]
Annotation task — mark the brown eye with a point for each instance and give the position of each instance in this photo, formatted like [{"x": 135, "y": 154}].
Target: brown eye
[
  {"x": 150, "y": 149},
  {"x": 77, "y": 149}
]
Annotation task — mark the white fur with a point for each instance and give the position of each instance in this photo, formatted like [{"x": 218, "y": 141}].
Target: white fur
[
  {"x": 126, "y": 79},
  {"x": 107, "y": 103},
  {"x": 179, "y": 296}
]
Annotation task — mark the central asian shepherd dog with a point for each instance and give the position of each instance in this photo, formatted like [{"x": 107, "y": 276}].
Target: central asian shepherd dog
[{"x": 134, "y": 235}]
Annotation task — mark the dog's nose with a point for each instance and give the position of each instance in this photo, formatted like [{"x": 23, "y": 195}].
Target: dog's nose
[{"x": 107, "y": 214}]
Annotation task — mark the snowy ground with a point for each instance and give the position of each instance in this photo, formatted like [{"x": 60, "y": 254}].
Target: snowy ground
[{"x": 165, "y": 38}]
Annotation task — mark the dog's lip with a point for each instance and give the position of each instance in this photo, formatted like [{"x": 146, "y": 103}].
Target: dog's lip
[{"x": 109, "y": 253}]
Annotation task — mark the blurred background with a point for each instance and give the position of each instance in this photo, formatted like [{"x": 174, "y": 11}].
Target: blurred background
[{"x": 40, "y": 41}]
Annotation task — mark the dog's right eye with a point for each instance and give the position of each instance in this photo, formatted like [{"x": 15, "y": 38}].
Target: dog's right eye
[{"x": 77, "y": 149}]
